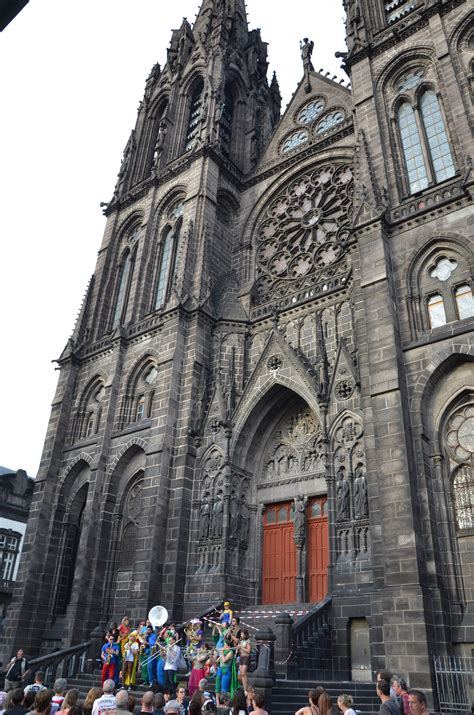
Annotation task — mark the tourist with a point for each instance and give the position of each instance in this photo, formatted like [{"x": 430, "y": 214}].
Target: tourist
[
  {"x": 223, "y": 703},
  {"x": 91, "y": 697},
  {"x": 159, "y": 704},
  {"x": 399, "y": 687},
  {"x": 132, "y": 703},
  {"x": 148, "y": 702},
  {"x": 417, "y": 702},
  {"x": 181, "y": 698},
  {"x": 75, "y": 710},
  {"x": 43, "y": 701},
  {"x": 171, "y": 663},
  {"x": 244, "y": 649},
  {"x": 344, "y": 703},
  {"x": 196, "y": 703},
  {"x": 37, "y": 685},
  {"x": 258, "y": 702},
  {"x": 172, "y": 707},
  {"x": 70, "y": 700},
  {"x": 388, "y": 705},
  {"x": 16, "y": 699},
  {"x": 312, "y": 707},
  {"x": 60, "y": 686},
  {"x": 121, "y": 702},
  {"x": 29, "y": 701},
  {"x": 324, "y": 704},
  {"x": 110, "y": 656},
  {"x": 16, "y": 671},
  {"x": 239, "y": 705},
  {"x": 107, "y": 700}
]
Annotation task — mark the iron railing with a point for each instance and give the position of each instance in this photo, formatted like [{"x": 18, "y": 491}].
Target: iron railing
[
  {"x": 454, "y": 684},
  {"x": 66, "y": 663}
]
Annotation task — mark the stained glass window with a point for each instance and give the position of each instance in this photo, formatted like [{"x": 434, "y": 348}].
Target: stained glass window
[
  {"x": 164, "y": 268},
  {"x": 412, "y": 148},
  {"x": 310, "y": 111},
  {"x": 140, "y": 408},
  {"x": 444, "y": 269},
  {"x": 329, "y": 122},
  {"x": 294, "y": 140},
  {"x": 463, "y": 488},
  {"x": 464, "y": 301},
  {"x": 436, "y": 311},
  {"x": 440, "y": 152}
]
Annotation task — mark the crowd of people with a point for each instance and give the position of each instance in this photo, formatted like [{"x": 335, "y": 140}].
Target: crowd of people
[
  {"x": 153, "y": 655},
  {"x": 108, "y": 700}
]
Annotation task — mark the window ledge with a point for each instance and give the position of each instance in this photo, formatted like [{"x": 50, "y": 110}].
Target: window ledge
[
  {"x": 428, "y": 199},
  {"x": 134, "y": 427},
  {"x": 444, "y": 332}
]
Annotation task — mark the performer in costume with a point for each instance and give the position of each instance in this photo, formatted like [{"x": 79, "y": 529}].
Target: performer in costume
[
  {"x": 198, "y": 670},
  {"x": 152, "y": 657},
  {"x": 109, "y": 656},
  {"x": 226, "y": 678},
  {"x": 227, "y": 613},
  {"x": 124, "y": 632},
  {"x": 244, "y": 650},
  {"x": 130, "y": 662}
]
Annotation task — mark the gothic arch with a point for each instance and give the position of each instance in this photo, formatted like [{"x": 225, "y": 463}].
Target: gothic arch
[
  {"x": 464, "y": 27},
  {"x": 433, "y": 244},
  {"x": 406, "y": 59},
  {"x": 134, "y": 217},
  {"x": 135, "y": 444},
  {"x": 172, "y": 194}
]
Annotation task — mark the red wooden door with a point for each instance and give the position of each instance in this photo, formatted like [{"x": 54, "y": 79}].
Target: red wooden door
[
  {"x": 318, "y": 549},
  {"x": 279, "y": 555}
]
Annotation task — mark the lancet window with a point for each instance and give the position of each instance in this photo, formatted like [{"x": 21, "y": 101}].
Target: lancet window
[
  {"x": 195, "y": 111},
  {"x": 170, "y": 236}
]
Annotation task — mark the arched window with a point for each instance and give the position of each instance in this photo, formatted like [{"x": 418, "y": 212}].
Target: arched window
[
  {"x": 138, "y": 400},
  {"x": 436, "y": 312},
  {"x": 464, "y": 301},
  {"x": 169, "y": 242},
  {"x": 463, "y": 492},
  {"x": 122, "y": 291},
  {"x": 140, "y": 408},
  {"x": 192, "y": 130},
  {"x": 226, "y": 119},
  {"x": 424, "y": 140},
  {"x": 87, "y": 420}
]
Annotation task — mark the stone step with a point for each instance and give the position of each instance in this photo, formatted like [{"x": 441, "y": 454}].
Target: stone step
[{"x": 290, "y": 695}]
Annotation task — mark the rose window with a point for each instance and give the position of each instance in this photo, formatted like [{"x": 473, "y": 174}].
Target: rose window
[
  {"x": 329, "y": 122},
  {"x": 302, "y": 236}
]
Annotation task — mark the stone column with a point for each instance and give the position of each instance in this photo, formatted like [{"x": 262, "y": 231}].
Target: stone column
[
  {"x": 300, "y": 540},
  {"x": 263, "y": 677},
  {"x": 284, "y": 641}
]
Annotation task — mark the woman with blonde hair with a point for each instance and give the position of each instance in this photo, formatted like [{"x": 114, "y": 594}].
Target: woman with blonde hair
[
  {"x": 312, "y": 707},
  {"x": 344, "y": 703},
  {"x": 91, "y": 697}
]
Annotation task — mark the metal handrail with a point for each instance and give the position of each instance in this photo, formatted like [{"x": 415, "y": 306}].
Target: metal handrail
[{"x": 50, "y": 658}]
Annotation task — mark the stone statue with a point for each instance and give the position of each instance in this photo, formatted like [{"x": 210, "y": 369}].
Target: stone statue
[
  {"x": 361, "y": 499},
  {"x": 205, "y": 518},
  {"x": 234, "y": 517},
  {"x": 299, "y": 519},
  {"x": 306, "y": 47},
  {"x": 218, "y": 516},
  {"x": 342, "y": 496}
]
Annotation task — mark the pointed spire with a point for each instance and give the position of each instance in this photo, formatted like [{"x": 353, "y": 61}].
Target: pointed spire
[{"x": 230, "y": 15}]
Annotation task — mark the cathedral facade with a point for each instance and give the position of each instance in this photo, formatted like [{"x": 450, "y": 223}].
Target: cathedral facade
[{"x": 269, "y": 391}]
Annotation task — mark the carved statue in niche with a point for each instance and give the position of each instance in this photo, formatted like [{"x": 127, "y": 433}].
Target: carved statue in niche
[
  {"x": 342, "y": 496},
  {"x": 299, "y": 520},
  {"x": 361, "y": 500},
  {"x": 244, "y": 519},
  {"x": 234, "y": 516},
  {"x": 218, "y": 516},
  {"x": 204, "y": 518}
]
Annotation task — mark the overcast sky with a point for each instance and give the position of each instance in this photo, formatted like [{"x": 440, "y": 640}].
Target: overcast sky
[{"x": 72, "y": 75}]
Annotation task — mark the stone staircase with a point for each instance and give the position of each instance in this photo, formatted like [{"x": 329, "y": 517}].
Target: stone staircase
[{"x": 288, "y": 696}]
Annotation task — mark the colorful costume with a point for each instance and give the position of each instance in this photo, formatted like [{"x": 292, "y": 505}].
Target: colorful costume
[
  {"x": 131, "y": 656},
  {"x": 226, "y": 678},
  {"x": 110, "y": 656},
  {"x": 198, "y": 671}
]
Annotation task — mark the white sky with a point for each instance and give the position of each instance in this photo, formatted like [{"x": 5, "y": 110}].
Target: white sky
[{"x": 72, "y": 75}]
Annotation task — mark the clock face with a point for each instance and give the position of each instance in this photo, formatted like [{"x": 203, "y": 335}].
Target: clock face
[
  {"x": 294, "y": 140},
  {"x": 310, "y": 111}
]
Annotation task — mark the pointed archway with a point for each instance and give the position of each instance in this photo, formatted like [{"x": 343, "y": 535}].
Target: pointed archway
[{"x": 281, "y": 447}]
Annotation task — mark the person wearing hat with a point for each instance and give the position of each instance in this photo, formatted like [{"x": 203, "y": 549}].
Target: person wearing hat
[
  {"x": 198, "y": 670},
  {"x": 227, "y": 613}
]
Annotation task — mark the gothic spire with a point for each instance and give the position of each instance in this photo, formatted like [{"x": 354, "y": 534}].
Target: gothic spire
[{"x": 230, "y": 15}]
